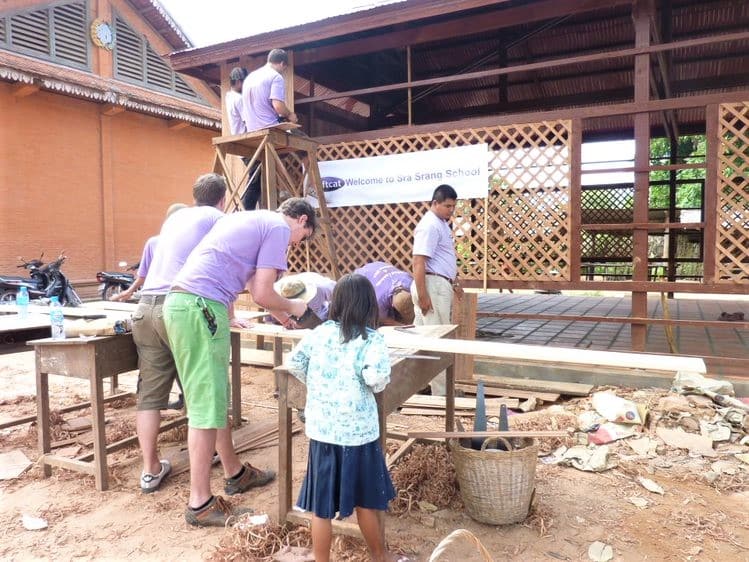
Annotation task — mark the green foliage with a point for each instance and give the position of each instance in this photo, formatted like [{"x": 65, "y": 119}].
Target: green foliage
[{"x": 691, "y": 150}]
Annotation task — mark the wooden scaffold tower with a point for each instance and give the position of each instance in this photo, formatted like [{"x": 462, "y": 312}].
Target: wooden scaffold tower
[{"x": 266, "y": 147}]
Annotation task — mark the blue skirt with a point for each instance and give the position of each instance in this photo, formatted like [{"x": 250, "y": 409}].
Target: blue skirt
[{"x": 340, "y": 478}]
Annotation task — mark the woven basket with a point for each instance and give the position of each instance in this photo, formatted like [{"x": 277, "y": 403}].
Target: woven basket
[{"x": 496, "y": 486}]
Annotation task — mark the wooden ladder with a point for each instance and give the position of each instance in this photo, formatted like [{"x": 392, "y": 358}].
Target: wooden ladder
[{"x": 265, "y": 146}]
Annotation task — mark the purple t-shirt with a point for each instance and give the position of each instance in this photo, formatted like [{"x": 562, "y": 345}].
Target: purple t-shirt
[
  {"x": 433, "y": 238},
  {"x": 179, "y": 235},
  {"x": 387, "y": 280},
  {"x": 225, "y": 260},
  {"x": 258, "y": 89},
  {"x": 147, "y": 257}
]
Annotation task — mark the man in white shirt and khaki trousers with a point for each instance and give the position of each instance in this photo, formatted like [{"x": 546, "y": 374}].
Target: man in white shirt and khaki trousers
[{"x": 435, "y": 268}]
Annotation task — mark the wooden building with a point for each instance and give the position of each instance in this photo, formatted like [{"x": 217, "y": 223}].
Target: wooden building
[
  {"x": 98, "y": 134},
  {"x": 536, "y": 76}
]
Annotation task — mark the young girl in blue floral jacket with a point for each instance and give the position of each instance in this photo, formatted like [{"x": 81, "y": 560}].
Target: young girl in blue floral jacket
[{"x": 343, "y": 363}]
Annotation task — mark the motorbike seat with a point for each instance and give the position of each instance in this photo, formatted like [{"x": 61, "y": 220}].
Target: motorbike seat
[{"x": 16, "y": 280}]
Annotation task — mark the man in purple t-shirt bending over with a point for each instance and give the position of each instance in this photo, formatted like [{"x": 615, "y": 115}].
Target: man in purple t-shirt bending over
[
  {"x": 393, "y": 291},
  {"x": 244, "y": 249}
]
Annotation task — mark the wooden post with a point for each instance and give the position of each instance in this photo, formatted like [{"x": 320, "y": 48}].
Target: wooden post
[
  {"x": 42, "y": 411},
  {"x": 464, "y": 315},
  {"x": 641, "y": 13},
  {"x": 576, "y": 199},
  {"x": 710, "y": 196}
]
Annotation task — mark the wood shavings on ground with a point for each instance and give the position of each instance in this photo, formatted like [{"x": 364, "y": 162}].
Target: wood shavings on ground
[
  {"x": 243, "y": 542},
  {"x": 121, "y": 403},
  {"x": 175, "y": 435},
  {"x": 712, "y": 525},
  {"x": 540, "y": 517},
  {"x": 426, "y": 474},
  {"x": 23, "y": 399},
  {"x": 544, "y": 420}
]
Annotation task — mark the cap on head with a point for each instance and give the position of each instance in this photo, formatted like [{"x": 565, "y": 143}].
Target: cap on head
[
  {"x": 292, "y": 287},
  {"x": 404, "y": 305}
]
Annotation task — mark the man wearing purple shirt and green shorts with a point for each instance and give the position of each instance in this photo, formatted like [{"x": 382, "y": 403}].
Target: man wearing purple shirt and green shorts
[
  {"x": 436, "y": 268},
  {"x": 392, "y": 289},
  {"x": 243, "y": 249}
]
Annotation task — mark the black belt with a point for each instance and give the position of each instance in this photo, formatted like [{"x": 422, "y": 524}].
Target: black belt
[
  {"x": 152, "y": 299},
  {"x": 445, "y": 277}
]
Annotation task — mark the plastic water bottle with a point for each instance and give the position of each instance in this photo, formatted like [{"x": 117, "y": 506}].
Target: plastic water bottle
[
  {"x": 22, "y": 302},
  {"x": 56, "y": 318}
]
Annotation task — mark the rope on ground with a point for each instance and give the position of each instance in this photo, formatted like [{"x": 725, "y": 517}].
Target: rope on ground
[{"x": 455, "y": 536}]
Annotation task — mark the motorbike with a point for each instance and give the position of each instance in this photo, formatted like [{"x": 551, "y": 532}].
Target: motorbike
[
  {"x": 114, "y": 282},
  {"x": 44, "y": 281}
]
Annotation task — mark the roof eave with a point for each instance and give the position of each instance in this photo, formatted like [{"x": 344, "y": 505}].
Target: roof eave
[{"x": 390, "y": 14}]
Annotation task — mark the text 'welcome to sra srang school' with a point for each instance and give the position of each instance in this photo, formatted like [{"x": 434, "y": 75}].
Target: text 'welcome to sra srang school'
[{"x": 330, "y": 183}]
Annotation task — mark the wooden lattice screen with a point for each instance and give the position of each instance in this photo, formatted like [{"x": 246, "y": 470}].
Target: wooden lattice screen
[
  {"x": 732, "y": 237},
  {"x": 519, "y": 231}
]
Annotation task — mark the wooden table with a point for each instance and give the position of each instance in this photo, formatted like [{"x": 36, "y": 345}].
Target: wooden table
[
  {"x": 407, "y": 376},
  {"x": 94, "y": 359}
]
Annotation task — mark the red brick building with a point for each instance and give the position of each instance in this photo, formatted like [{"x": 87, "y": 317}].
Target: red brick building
[{"x": 98, "y": 134}]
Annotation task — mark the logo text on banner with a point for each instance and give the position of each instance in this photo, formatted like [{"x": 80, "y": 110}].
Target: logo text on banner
[{"x": 401, "y": 178}]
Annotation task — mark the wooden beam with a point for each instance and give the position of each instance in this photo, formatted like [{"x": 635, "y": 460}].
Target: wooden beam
[
  {"x": 626, "y": 286},
  {"x": 545, "y": 355},
  {"x": 461, "y": 434},
  {"x": 385, "y": 16},
  {"x": 710, "y": 212},
  {"x": 21, "y": 89},
  {"x": 540, "y": 65},
  {"x": 590, "y": 112},
  {"x": 455, "y": 27}
]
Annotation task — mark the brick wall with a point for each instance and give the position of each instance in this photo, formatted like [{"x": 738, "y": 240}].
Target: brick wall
[{"x": 92, "y": 185}]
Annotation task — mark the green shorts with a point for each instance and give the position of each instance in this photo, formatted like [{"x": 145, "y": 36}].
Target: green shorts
[{"x": 202, "y": 358}]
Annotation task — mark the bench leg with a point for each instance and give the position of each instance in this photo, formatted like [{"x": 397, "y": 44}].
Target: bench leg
[
  {"x": 42, "y": 416},
  {"x": 236, "y": 380},
  {"x": 284, "y": 449},
  {"x": 100, "y": 438}
]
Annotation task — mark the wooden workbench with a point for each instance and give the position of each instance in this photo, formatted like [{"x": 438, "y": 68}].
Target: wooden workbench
[
  {"x": 94, "y": 359},
  {"x": 407, "y": 377}
]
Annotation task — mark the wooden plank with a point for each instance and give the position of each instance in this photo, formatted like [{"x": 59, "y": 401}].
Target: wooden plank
[
  {"x": 461, "y": 434},
  {"x": 434, "y": 412},
  {"x": 509, "y": 392},
  {"x": 392, "y": 459},
  {"x": 64, "y": 409},
  {"x": 462, "y": 403},
  {"x": 565, "y": 388},
  {"x": 464, "y": 315},
  {"x": 348, "y": 528},
  {"x": 545, "y": 355}
]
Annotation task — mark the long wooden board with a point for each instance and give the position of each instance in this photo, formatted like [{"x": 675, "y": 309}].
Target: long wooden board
[
  {"x": 509, "y": 392},
  {"x": 566, "y": 388},
  {"x": 534, "y": 354},
  {"x": 421, "y": 401},
  {"x": 461, "y": 434}
]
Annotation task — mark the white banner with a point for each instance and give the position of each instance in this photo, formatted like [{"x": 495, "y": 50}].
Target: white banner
[{"x": 400, "y": 178}]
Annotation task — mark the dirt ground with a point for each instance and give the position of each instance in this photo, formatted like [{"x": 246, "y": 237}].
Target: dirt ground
[{"x": 692, "y": 520}]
